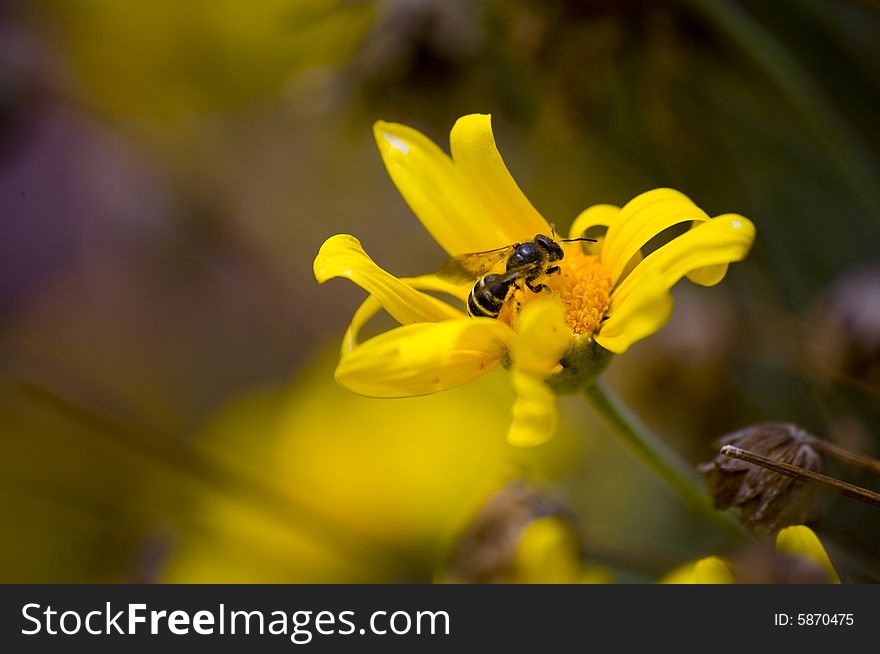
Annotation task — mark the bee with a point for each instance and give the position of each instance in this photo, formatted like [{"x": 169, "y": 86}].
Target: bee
[{"x": 526, "y": 263}]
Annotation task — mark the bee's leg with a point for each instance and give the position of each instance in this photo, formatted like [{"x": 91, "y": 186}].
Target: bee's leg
[
  {"x": 536, "y": 288},
  {"x": 553, "y": 270}
]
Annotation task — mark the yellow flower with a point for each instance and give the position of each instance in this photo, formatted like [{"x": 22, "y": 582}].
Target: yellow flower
[
  {"x": 796, "y": 541},
  {"x": 520, "y": 536},
  {"x": 801, "y": 541},
  {"x": 709, "y": 570},
  {"x": 549, "y": 553},
  {"x": 317, "y": 485},
  {"x": 605, "y": 297}
]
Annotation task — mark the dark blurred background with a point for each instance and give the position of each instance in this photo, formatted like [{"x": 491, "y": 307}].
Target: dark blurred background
[{"x": 169, "y": 170}]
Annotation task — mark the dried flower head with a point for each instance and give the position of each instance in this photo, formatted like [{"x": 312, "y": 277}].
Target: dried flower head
[
  {"x": 490, "y": 550},
  {"x": 767, "y": 500}
]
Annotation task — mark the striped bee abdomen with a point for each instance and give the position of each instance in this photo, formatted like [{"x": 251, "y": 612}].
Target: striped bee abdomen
[{"x": 488, "y": 295}]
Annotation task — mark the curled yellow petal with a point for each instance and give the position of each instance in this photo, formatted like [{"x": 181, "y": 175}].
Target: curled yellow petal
[
  {"x": 371, "y": 306},
  {"x": 433, "y": 188},
  {"x": 599, "y": 215},
  {"x": 343, "y": 256},
  {"x": 645, "y": 310},
  {"x": 542, "y": 339},
  {"x": 640, "y": 220},
  {"x": 708, "y": 275},
  {"x": 423, "y": 358},
  {"x": 799, "y": 540},
  {"x": 507, "y": 214},
  {"x": 722, "y": 240},
  {"x": 460, "y": 291}
]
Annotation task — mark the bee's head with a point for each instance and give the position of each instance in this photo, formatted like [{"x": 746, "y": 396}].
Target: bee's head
[{"x": 551, "y": 247}]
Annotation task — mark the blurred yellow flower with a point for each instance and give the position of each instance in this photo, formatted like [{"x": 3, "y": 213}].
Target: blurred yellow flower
[
  {"x": 315, "y": 484},
  {"x": 549, "y": 553},
  {"x": 184, "y": 59},
  {"x": 520, "y": 536},
  {"x": 797, "y": 541},
  {"x": 801, "y": 541},
  {"x": 605, "y": 298},
  {"x": 708, "y": 570}
]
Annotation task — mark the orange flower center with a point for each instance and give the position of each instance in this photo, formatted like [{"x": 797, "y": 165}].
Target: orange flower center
[{"x": 583, "y": 284}]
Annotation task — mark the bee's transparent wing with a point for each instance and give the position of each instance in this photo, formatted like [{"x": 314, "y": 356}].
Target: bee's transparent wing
[
  {"x": 471, "y": 266},
  {"x": 514, "y": 273}
]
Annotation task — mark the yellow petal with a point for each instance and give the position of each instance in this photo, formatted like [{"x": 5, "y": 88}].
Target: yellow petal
[
  {"x": 434, "y": 283},
  {"x": 542, "y": 340},
  {"x": 682, "y": 574},
  {"x": 640, "y": 220},
  {"x": 534, "y": 412},
  {"x": 431, "y": 185},
  {"x": 799, "y": 540},
  {"x": 423, "y": 358},
  {"x": 599, "y": 215},
  {"x": 722, "y": 240},
  {"x": 709, "y": 275},
  {"x": 646, "y": 309},
  {"x": 507, "y": 213},
  {"x": 710, "y": 570},
  {"x": 371, "y": 306},
  {"x": 343, "y": 256},
  {"x": 542, "y": 337},
  {"x": 548, "y": 552}
]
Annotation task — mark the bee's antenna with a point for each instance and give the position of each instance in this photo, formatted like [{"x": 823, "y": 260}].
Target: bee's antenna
[{"x": 568, "y": 240}]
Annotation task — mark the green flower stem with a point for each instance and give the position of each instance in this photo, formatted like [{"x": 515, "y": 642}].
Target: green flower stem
[{"x": 658, "y": 456}]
